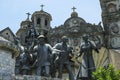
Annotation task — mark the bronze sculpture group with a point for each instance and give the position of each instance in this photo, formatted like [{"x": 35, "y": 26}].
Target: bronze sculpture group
[{"x": 46, "y": 60}]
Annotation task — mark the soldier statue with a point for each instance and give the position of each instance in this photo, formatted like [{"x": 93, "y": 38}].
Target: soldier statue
[
  {"x": 64, "y": 58},
  {"x": 43, "y": 54},
  {"x": 87, "y": 65}
]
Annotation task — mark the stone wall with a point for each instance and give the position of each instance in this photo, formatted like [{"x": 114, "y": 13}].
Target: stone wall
[
  {"x": 8, "y": 52},
  {"x": 7, "y": 63}
]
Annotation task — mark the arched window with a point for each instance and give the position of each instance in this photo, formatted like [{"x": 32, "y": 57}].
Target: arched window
[
  {"x": 38, "y": 21},
  {"x": 7, "y": 35},
  {"x": 46, "y": 23}
]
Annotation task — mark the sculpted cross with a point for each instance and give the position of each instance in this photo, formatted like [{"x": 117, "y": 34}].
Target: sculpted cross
[
  {"x": 73, "y": 9},
  {"x": 28, "y": 14},
  {"x": 42, "y": 6}
]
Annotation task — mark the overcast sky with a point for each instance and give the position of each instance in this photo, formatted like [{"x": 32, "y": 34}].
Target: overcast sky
[{"x": 14, "y": 11}]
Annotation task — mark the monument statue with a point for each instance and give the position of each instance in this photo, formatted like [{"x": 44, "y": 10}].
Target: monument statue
[
  {"x": 87, "y": 66},
  {"x": 53, "y": 67},
  {"x": 18, "y": 64},
  {"x": 25, "y": 61},
  {"x": 43, "y": 57},
  {"x": 31, "y": 38},
  {"x": 64, "y": 58}
]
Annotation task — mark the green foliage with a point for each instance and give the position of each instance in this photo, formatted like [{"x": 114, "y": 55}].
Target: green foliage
[{"x": 106, "y": 74}]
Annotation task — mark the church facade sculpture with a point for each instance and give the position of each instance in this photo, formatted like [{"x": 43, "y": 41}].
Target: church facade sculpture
[{"x": 111, "y": 22}]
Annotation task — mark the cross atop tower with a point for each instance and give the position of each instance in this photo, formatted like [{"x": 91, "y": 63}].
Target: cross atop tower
[
  {"x": 73, "y": 9},
  {"x": 28, "y": 15},
  {"x": 42, "y": 7}
]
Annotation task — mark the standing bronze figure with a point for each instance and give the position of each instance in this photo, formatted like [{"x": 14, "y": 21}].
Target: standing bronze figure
[
  {"x": 43, "y": 57},
  {"x": 87, "y": 65},
  {"x": 64, "y": 58}
]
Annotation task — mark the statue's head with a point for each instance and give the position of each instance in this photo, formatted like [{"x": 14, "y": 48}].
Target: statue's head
[
  {"x": 64, "y": 39},
  {"x": 85, "y": 37},
  {"x": 41, "y": 39}
]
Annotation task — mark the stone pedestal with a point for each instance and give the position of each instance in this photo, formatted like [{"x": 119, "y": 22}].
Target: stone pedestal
[{"x": 32, "y": 77}]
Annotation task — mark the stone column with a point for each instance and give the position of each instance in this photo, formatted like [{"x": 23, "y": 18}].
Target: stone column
[
  {"x": 42, "y": 22},
  {"x": 35, "y": 21},
  {"x": 8, "y": 51},
  {"x": 48, "y": 26}
]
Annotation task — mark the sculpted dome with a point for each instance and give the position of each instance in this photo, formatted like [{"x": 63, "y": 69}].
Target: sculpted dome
[
  {"x": 74, "y": 20},
  {"x": 41, "y": 13}
]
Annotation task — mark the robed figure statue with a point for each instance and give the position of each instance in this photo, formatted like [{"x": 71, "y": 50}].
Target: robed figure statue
[{"x": 87, "y": 66}]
